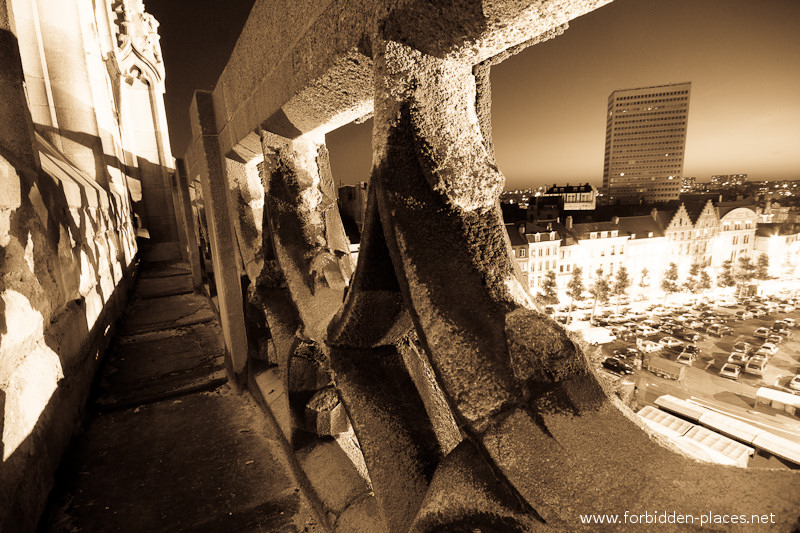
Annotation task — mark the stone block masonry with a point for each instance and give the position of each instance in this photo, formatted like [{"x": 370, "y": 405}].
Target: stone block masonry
[{"x": 80, "y": 153}]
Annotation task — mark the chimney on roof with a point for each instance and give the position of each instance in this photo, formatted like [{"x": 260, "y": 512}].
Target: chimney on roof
[
  {"x": 569, "y": 222},
  {"x": 521, "y": 229},
  {"x": 654, "y": 213},
  {"x": 615, "y": 220},
  {"x": 550, "y": 226}
]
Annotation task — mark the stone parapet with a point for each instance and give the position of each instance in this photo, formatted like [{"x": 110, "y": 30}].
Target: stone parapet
[{"x": 471, "y": 409}]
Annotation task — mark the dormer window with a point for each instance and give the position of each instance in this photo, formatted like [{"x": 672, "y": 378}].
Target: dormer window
[
  {"x": 593, "y": 235},
  {"x": 633, "y": 235},
  {"x": 615, "y": 233},
  {"x": 649, "y": 234},
  {"x": 604, "y": 234}
]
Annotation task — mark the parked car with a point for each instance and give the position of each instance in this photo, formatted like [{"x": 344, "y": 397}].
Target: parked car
[
  {"x": 614, "y": 364},
  {"x": 794, "y": 383},
  {"x": 757, "y": 311},
  {"x": 670, "y": 342},
  {"x": 694, "y": 324},
  {"x": 718, "y": 330},
  {"x": 738, "y": 358},
  {"x": 785, "y": 308},
  {"x": 647, "y": 346},
  {"x": 693, "y": 348},
  {"x": 645, "y": 331},
  {"x": 762, "y": 333},
  {"x": 781, "y": 330},
  {"x": 767, "y": 349},
  {"x": 616, "y": 319},
  {"x": 742, "y": 346},
  {"x": 775, "y": 339},
  {"x": 791, "y": 322},
  {"x": 625, "y": 353},
  {"x": 743, "y": 315},
  {"x": 730, "y": 371},
  {"x": 756, "y": 366},
  {"x": 687, "y": 357},
  {"x": 691, "y": 336}
]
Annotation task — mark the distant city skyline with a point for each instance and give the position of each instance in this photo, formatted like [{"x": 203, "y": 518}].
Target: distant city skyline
[{"x": 549, "y": 101}]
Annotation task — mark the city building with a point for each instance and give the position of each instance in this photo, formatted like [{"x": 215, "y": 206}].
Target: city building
[
  {"x": 703, "y": 231},
  {"x": 590, "y": 246},
  {"x": 647, "y": 250},
  {"x": 535, "y": 248},
  {"x": 543, "y": 245},
  {"x": 724, "y": 181},
  {"x": 545, "y": 208},
  {"x": 519, "y": 245},
  {"x": 353, "y": 203},
  {"x": 575, "y": 197},
  {"x": 781, "y": 244},
  {"x": 737, "y": 232},
  {"x": 688, "y": 184},
  {"x": 645, "y": 142}
]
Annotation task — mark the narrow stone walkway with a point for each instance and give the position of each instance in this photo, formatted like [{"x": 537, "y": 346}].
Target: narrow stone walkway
[{"x": 170, "y": 446}]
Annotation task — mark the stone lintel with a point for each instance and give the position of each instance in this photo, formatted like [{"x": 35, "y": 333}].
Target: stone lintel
[{"x": 324, "y": 81}]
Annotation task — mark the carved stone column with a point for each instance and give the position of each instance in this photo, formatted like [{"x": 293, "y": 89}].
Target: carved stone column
[
  {"x": 542, "y": 428},
  {"x": 307, "y": 233}
]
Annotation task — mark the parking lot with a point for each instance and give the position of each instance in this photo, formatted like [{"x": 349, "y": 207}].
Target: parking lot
[{"x": 655, "y": 323}]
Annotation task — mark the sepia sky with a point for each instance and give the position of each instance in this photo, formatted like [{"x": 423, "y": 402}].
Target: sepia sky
[{"x": 549, "y": 102}]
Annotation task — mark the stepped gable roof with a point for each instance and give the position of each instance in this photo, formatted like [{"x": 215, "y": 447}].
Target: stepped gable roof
[
  {"x": 694, "y": 209},
  {"x": 514, "y": 236},
  {"x": 639, "y": 227}
]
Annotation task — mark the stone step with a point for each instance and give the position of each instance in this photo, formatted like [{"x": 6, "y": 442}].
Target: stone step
[
  {"x": 167, "y": 312},
  {"x": 163, "y": 286},
  {"x": 148, "y": 367},
  {"x": 163, "y": 269}
]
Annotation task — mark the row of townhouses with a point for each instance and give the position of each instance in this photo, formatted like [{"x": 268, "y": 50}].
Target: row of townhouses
[{"x": 707, "y": 234}]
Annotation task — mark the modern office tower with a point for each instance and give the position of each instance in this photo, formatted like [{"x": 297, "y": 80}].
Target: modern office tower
[{"x": 645, "y": 141}]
